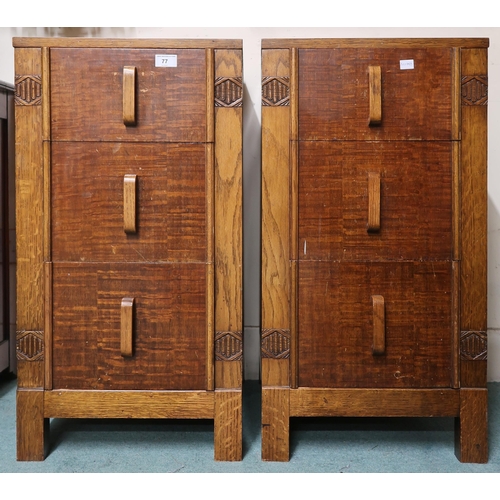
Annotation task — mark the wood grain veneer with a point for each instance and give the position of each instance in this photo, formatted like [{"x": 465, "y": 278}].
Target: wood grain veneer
[
  {"x": 87, "y": 206},
  {"x": 334, "y": 204},
  {"x": 334, "y": 100},
  {"x": 169, "y": 326},
  {"x": 170, "y": 105},
  {"x": 336, "y": 324}
]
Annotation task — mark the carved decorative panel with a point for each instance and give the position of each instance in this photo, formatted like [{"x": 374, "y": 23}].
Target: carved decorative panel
[
  {"x": 475, "y": 90},
  {"x": 28, "y": 90},
  {"x": 29, "y": 345},
  {"x": 275, "y": 343},
  {"x": 473, "y": 345},
  {"x": 228, "y": 92},
  {"x": 276, "y": 91},
  {"x": 228, "y": 346}
]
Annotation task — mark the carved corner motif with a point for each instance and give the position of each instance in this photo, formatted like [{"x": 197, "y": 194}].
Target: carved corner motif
[
  {"x": 473, "y": 346},
  {"x": 28, "y": 90},
  {"x": 275, "y": 343},
  {"x": 228, "y": 346},
  {"x": 29, "y": 345},
  {"x": 276, "y": 91},
  {"x": 228, "y": 92},
  {"x": 475, "y": 90}
]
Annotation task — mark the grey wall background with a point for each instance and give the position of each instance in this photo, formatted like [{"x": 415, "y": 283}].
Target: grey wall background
[{"x": 251, "y": 146}]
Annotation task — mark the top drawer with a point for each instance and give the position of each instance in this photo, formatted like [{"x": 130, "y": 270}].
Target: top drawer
[
  {"x": 87, "y": 95},
  {"x": 415, "y": 89}
]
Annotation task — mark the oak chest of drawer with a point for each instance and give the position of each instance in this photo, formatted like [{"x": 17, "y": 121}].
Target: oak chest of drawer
[
  {"x": 374, "y": 197},
  {"x": 129, "y": 217}
]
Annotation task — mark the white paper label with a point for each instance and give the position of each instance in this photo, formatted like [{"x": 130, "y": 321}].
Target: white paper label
[
  {"x": 406, "y": 64},
  {"x": 166, "y": 60}
]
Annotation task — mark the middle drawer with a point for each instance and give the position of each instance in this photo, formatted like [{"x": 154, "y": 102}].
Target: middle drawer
[
  {"x": 89, "y": 207},
  {"x": 343, "y": 186}
]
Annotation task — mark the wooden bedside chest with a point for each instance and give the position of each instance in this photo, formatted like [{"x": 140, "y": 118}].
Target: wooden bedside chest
[
  {"x": 129, "y": 187},
  {"x": 374, "y": 233}
]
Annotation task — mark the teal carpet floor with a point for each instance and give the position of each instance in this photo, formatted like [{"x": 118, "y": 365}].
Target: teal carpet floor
[{"x": 329, "y": 445}]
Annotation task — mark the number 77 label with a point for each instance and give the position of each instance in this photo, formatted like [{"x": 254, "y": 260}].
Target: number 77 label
[{"x": 166, "y": 60}]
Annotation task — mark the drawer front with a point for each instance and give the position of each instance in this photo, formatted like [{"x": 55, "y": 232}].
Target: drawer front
[
  {"x": 336, "y": 324},
  {"x": 87, "y": 95},
  {"x": 90, "y": 208},
  {"x": 413, "y": 204},
  {"x": 169, "y": 331},
  {"x": 334, "y": 94}
]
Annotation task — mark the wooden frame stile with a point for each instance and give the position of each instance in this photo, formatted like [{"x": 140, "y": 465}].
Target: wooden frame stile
[
  {"x": 228, "y": 73},
  {"x": 276, "y": 322},
  {"x": 455, "y": 224},
  {"x": 294, "y": 218},
  {"x": 455, "y": 326},
  {"x": 32, "y": 427},
  {"x": 47, "y": 211},
  {"x": 471, "y": 424},
  {"x": 209, "y": 182}
]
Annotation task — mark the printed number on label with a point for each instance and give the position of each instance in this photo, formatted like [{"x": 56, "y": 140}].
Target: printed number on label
[{"x": 166, "y": 60}]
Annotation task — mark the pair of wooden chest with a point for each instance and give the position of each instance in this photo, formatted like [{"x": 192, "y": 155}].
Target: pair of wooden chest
[{"x": 129, "y": 188}]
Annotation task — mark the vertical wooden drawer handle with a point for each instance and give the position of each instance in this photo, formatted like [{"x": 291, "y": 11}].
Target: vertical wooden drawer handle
[
  {"x": 378, "y": 325},
  {"x": 126, "y": 329},
  {"x": 129, "y": 203},
  {"x": 375, "y": 91},
  {"x": 129, "y": 73},
  {"x": 373, "y": 202}
]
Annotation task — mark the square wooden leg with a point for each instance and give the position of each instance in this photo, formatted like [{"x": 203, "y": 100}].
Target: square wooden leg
[
  {"x": 276, "y": 424},
  {"x": 228, "y": 428},
  {"x": 471, "y": 427},
  {"x": 32, "y": 428}
]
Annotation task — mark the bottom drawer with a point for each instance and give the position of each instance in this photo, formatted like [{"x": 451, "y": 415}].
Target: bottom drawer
[
  {"x": 336, "y": 324},
  {"x": 169, "y": 326}
]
